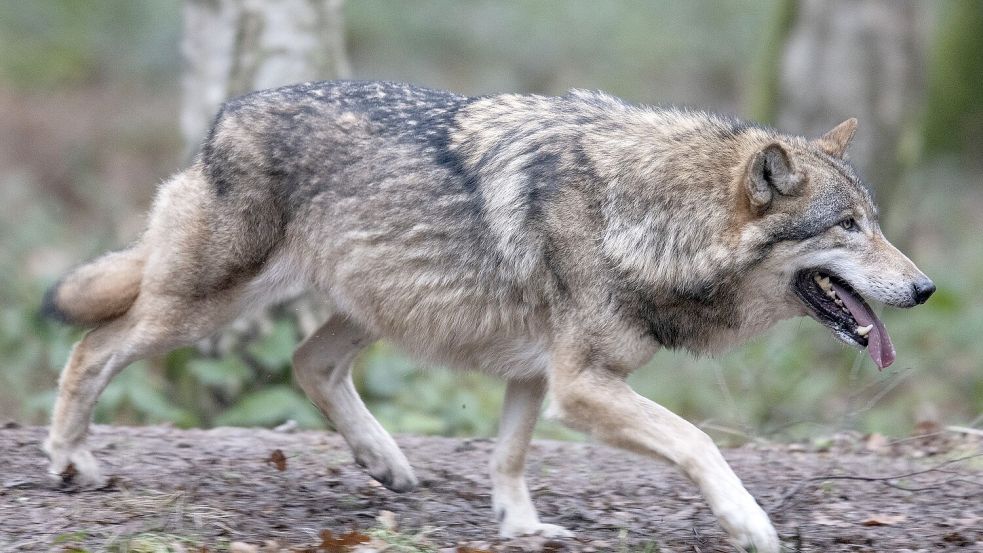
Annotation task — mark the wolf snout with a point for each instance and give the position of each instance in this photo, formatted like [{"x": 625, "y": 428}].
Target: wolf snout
[{"x": 923, "y": 289}]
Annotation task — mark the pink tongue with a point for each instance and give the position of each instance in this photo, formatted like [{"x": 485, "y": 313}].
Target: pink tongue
[{"x": 879, "y": 344}]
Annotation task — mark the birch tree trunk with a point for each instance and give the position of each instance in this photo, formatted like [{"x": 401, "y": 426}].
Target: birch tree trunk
[
  {"x": 856, "y": 58},
  {"x": 232, "y": 47}
]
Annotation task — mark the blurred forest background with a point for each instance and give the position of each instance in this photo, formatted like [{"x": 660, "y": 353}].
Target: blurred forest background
[{"x": 91, "y": 97}]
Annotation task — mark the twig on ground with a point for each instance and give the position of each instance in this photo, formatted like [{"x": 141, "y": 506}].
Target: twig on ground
[
  {"x": 887, "y": 480},
  {"x": 965, "y": 430}
]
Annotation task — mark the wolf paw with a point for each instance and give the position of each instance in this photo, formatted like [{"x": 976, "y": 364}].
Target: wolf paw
[
  {"x": 514, "y": 530},
  {"x": 393, "y": 474},
  {"x": 751, "y": 531},
  {"x": 74, "y": 465}
]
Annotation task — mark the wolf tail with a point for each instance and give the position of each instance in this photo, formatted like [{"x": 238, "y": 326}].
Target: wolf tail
[{"x": 98, "y": 291}]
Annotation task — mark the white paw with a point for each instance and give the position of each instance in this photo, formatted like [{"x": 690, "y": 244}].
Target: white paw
[
  {"x": 75, "y": 465},
  {"x": 750, "y": 530},
  {"x": 514, "y": 530}
]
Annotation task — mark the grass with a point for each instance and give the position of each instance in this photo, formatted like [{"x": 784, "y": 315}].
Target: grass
[{"x": 400, "y": 542}]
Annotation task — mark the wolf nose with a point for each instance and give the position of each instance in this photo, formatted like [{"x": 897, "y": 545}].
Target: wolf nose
[{"x": 923, "y": 290}]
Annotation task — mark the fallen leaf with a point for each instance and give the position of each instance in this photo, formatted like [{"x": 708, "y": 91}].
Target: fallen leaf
[
  {"x": 278, "y": 460},
  {"x": 884, "y": 520},
  {"x": 926, "y": 427},
  {"x": 554, "y": 546},
  {"x": 343, "y": 543}
]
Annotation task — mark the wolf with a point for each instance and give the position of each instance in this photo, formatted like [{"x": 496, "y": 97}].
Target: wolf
[{"x": 556, "y": 242}]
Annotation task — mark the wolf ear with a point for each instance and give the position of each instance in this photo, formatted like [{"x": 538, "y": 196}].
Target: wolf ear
[
  {"x": 835, "y": 142},
  {"x": 770, "y": 171}
]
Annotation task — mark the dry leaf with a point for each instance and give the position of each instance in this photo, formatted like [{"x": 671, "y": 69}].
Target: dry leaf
[
  {"x": 884, "y": 520},
  {"x": 353, "y": 538},
  {"x": 925, "y": 427},
  {"x": 278, "y": 460},
  {"x": 341, "y": 544}
]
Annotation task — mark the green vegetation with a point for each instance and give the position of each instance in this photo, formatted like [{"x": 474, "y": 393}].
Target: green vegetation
[
  {"x": 121, "y": 58},
  {"x": 954, "y": 107}
]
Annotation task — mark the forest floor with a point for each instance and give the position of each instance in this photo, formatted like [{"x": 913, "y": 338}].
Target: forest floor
[{"x": 229, "y": 489}]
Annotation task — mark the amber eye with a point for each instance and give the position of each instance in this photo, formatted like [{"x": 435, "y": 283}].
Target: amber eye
[{"x": 848, "y": 223}]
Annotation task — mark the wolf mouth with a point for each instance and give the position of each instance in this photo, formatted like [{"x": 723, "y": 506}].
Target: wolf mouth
[{"x": 833, "y": 302}]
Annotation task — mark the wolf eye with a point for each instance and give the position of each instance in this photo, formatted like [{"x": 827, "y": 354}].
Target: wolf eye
[{"x": 848, "y": 224}]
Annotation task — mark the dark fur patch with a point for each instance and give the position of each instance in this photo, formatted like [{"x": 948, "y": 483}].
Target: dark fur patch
[
  {"x": 544, "y": 172},
  {"x": 49, "y": 305},
  {"x": 416, "y": 115},
  {"x": 679, "y": 318}
]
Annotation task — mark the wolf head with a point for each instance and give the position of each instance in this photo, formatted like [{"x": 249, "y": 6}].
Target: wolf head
[{"x": 819, "y": 225}]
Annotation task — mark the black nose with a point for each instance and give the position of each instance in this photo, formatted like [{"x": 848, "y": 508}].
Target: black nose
[{"x": 923, "y": 290}]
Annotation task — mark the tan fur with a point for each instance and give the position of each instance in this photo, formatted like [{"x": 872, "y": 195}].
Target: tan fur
[{"x": 101, "y": 290}]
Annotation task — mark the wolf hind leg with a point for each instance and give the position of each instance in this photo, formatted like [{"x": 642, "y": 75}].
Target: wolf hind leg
[
  {"x": 510, "y": 496},
  {"x": 323, "y": 368},
  {"x": 155, "y": 324}
]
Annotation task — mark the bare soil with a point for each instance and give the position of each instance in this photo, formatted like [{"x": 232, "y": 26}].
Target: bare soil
[{"x": 197, "y": 490}]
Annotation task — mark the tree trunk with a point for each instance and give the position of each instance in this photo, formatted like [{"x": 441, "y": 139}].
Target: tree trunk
[
  {"x": 856, "y": 58},
  {"x": 954, "y": 107},
  {"x": 232, "y": 47}
]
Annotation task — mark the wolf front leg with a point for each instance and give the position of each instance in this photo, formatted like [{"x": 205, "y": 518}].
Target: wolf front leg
[
  {"x": 593, "y": 398},
  {"x": 323, "y": 368},
  {"x": 513, "y": 507}
]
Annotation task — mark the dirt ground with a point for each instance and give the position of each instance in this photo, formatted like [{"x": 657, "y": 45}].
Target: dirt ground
[{"x": 198, "y": 490}]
